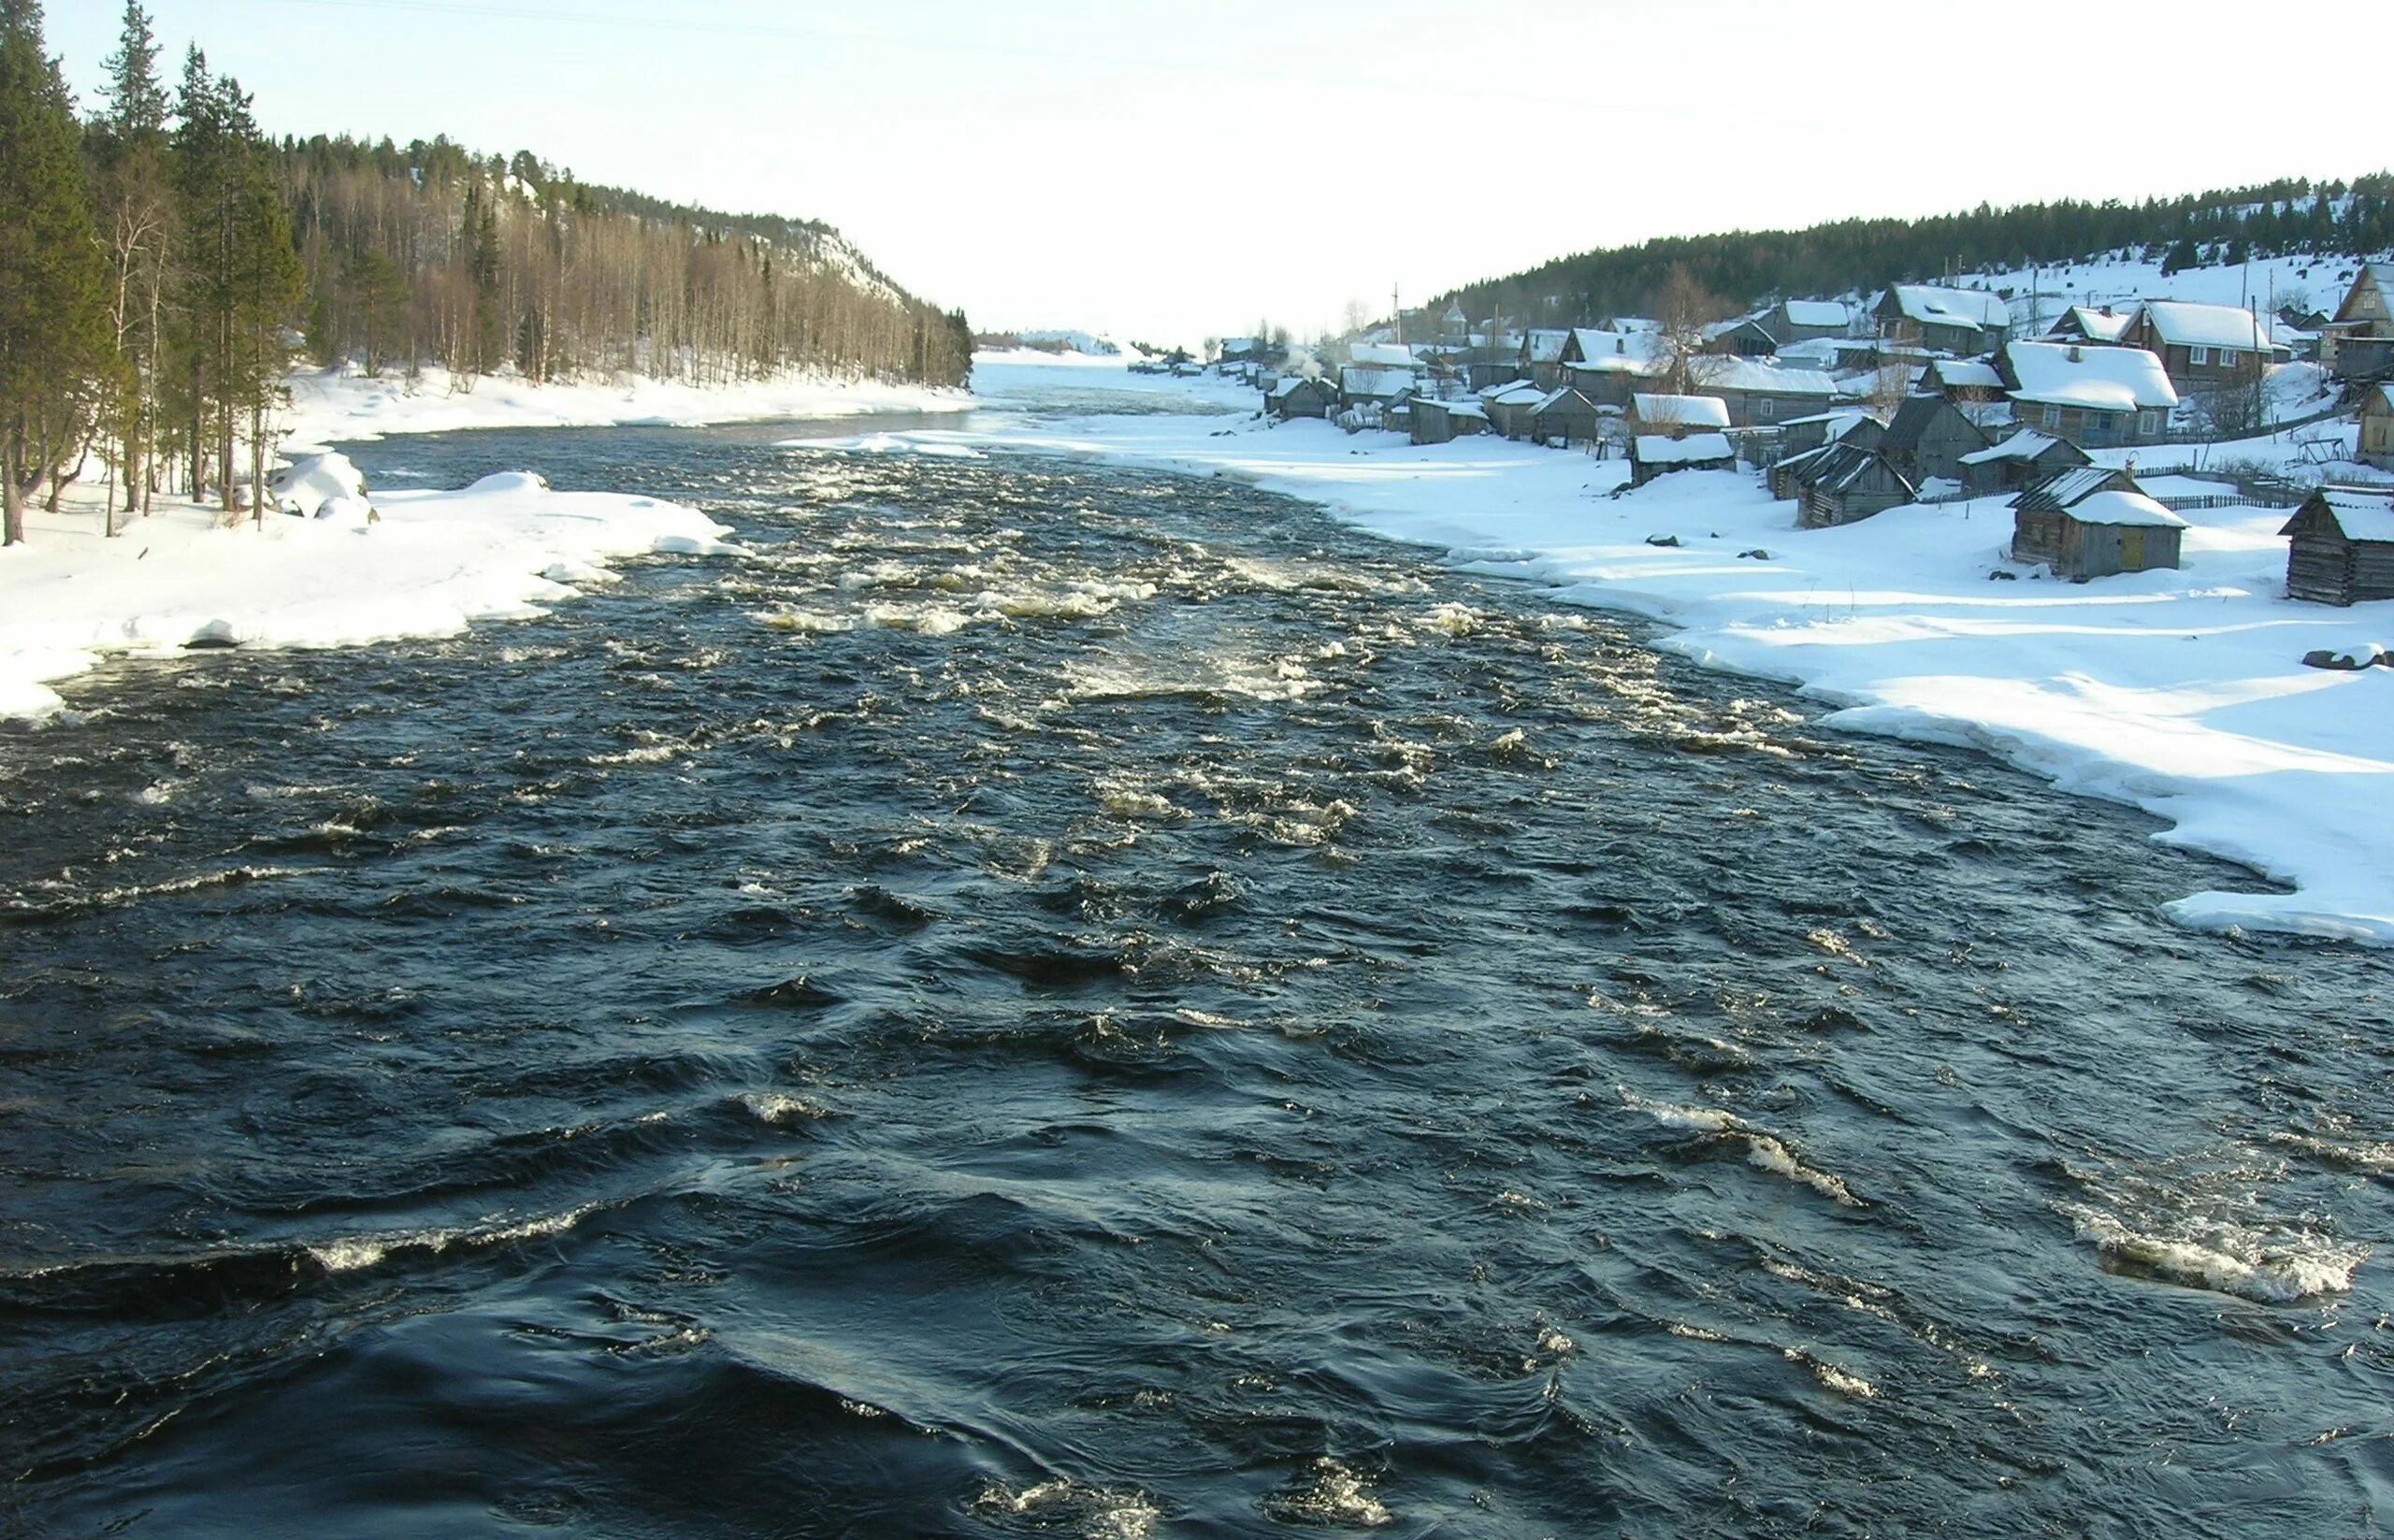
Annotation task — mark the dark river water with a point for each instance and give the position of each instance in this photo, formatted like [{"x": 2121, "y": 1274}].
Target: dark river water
[{"x": 1056, "y": 1000}]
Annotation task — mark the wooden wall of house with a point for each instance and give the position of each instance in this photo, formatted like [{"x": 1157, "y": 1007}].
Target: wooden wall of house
[
  {"x": 2036, "y": 536},
  {"x": 2073, "y": 423},
  {"x": 2100, "y": 549},
  {"x": 2377, "y": 431},
  {"x": 1570, "y": 421},
  {"x": 2318, "y": 568},
  {"x": 1875, "y": 493}
]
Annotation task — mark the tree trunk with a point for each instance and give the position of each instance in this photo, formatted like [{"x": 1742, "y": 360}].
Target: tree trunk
[{"x": 12, "y": 499}]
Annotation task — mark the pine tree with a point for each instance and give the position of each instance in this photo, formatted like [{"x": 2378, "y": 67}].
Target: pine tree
[
  {"x": 136, "y": 216},
  {"x": 54, "y": 358}
]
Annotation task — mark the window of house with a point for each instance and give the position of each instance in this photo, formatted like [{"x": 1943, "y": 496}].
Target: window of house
[
  {"x": 2227, "y": 358},
  {"x": 2197, "y": 355},
  {"x": 2098, "y": 421},
  {"x": 2148, "y": 424},
  {"x": 1765, "y": 408},
  {"x": 2053, "y": 417}
]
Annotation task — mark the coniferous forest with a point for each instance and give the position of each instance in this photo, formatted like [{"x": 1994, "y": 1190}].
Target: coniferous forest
[
  {"x": 164, "y": 262},
  {"x": 1858, "y": 255}
]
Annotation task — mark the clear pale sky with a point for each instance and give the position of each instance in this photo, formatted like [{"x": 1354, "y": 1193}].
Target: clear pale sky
[{"x": 1172, "y": 171}]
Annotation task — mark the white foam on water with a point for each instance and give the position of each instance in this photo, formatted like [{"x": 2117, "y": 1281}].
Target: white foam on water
[
  {"x": 348, "y": 1253},
  {"x": 1335, "y": 1494},
  {"x": 1764, "y": 1151},
  {"x": 1096, "y": 1513},
  {"x": 1835, "y": 1378},
  {"x": 779, "y": 1108},
  {"x": 2275, "y": 1266}
]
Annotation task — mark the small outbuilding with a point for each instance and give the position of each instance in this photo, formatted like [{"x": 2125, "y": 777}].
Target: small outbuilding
[
  {"x": 1848, "y": 484},
  {"x": 1566, "y": 416},
  {"x": 1443, "y": 422},
  {"x": 1928, "y": 436},
  {"x": 2022, "y": 460},
  {"x": 1665, "y": 417},
  {"x": 2343, "y": 550},
  {"x": 2377, "y": 426},
  {"x": 2092, "y": 523},
  {"x": 1509, "y": 407},
  {"x": 1296, "y": 395},
  {"x": 1653, "y": 455}
]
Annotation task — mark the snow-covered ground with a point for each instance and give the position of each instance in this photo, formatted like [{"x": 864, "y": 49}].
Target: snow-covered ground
[
  {"x": 431, "y": 564},
  {"x": 2179, "y": 691},
  {"x": 336, "y": 406}
]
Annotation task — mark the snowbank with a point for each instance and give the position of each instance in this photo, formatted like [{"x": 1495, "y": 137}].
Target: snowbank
[
  {"x": 433, "y": 564},
  {"x": 342, "y": 405},
  {"x": 2182, "y": 693}
]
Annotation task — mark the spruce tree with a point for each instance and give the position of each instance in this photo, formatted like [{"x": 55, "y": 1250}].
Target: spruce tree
[{"x": 54, "y": 338}]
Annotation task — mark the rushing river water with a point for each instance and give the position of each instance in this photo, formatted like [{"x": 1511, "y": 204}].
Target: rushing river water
[{"x": 1062, "y": 1000}]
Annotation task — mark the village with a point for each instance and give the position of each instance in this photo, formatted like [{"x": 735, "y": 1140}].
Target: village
[{"x": 2100, "y": 426}]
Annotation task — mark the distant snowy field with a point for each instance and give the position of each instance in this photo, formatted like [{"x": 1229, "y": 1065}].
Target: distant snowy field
[
  {"x": 334, "y": 406},
  {"x": 2182, "y": 693}
]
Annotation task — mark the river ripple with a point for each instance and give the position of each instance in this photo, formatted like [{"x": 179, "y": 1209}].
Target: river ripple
[{"x": 1063, "y": 1000}]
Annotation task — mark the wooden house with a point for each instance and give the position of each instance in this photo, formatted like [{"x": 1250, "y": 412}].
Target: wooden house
[
  {"x": 2366, "y": 315},
  {"x": 1798, "y": 434},
  {"x": 1541, "y": 355},
  {"x": 1793, "y": 321},
  {"x": 2201, "y": 347},
  {"x": 1957, "y": 321},
  {"x": 2102, "y": 328},
  {"x": 1759, "y": 394},
  {"x": 2093, "y": 396},
  {"x": 1928, "y": 436},
  {"x": 2377, "y": 426},
  {"x": 2343, "y": 550},
  {"x": 1297, "y": 396},
  {"x": 2022, "y": 460},
  {"x": 1850, "y": 483},
  {"x": 1745, "y": 338},
  {"x": 1964, "y": 381},
  {"x": 1566, "y": 416},
  {"x": 1373, "y": 385},
  {"x": 1655, "y": 414},
  {"x": 1606, "y": 367},
  {"x": 1509, "y": 407},
  {"x": 1443, "y": 422},
  {"x": 1653, "y": 455},
  {"x": 2091, "y": 522}
]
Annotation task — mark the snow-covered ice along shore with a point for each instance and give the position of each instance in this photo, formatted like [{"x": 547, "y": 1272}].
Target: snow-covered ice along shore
[
  {"x": 2181, "y": 692},
  {"x": 427, "y": 564}
]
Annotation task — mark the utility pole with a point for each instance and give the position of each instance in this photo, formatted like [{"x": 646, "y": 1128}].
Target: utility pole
[{"x": 1396, "y": 310}]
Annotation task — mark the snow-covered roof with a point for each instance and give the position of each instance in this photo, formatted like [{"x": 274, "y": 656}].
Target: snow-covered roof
[
  {"x": 1289, "y": 382},
  {"x": 1965, "y": 374},
  {"x": 1932, "y": 306},
  {"x": 2094, "y": 324},
  {"x": 1381, "y": 354},
  {"x": 1515, "y": 393},
  {"x": 2133, "y": 509},
  {"x": 2064, "y": 374},
  {"x": 1685, "y": 411},
  {"x": 2027, "y": 444},
  {"x": 2362, "y": 512},
  {"x": 1454, "y": 408},
  {"x": 1654, "y": 448},
  {"x": 2205, "y": 325},
  {"x": 1817, "y": 312},
  {"x": 1357, "y": 380},
  {"x": 1554, "y": 397},
  {"x": 1752, "y": 378},
  {"x": 1239, "y": 344},
  {"x": 1545, "y": 344}
]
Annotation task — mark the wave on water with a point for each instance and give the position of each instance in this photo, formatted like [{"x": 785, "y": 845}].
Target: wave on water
[
  {"x": 1066, "y": 1506},
  {"x": 1332, "y": 1493},
  {"x": 2268, "y": 1267},
  {"x": 1765, "y": 1151}
]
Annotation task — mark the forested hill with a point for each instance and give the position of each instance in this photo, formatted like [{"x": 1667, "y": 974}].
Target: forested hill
[
  {"x": 431, "y": 252},
  {"x": 1753, "y": 266}
]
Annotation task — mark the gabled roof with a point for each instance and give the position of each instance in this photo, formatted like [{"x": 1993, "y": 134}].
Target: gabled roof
[
  {"x": 2375, "y": 275},
  {"x": 1964, "y": 374},
  {"x": 1452, "y": 408},
  {"x": 2093, "y": 323},
  {"x": 2064, "y": 374},
  {"x": 1513, "y": 393},
  {"x": 1654, "y": 448},
  {"x": 1555, "y": 397},
  {"x": 2115, "y": 507},
  {"x": 1750, "y": 378},
  {"x": 1611, "y": 353},
  {"x": 1684, "y": 411},
  {"x": 2381, "y": 398},
  {"x": 1359, "y": 380},
  {"x": 2027, "y": 446},
  {"x": 1381, "y": 354},
  {"x": 1845, "y": 464},
  {"x": 1816, "y": 312},
  {"x": 2189, "y": 325},
  {"x": 1932, "y": 306},
  {"x": 2363, "y": 513},
  {"x": 1545, "y": 344},
  {"x": 1914, "y": 416}
]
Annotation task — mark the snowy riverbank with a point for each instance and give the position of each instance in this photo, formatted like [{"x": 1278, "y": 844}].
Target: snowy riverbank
[
  {"x": 336, "y": 406},
  {"x": 432, "y": 564},
  {"x": 2182, "y": 693}
]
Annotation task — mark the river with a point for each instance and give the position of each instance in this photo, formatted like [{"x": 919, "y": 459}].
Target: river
[{"x": 1057, "y": 1000}]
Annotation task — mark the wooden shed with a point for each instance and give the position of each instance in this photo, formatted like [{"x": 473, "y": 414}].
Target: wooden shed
[
  {"x": 1296, "y": 397},
  {"x": 1849, "y": 484},
  {"x": 1653, "y": 455},
  {"x": 1509, "y": 407},
  {"x": 2377, "y": 426},
  {"x": 2091, "y": 522},
  {"x": 2343, "y": 550},
  {"x": 1659, "y": 415},
  {"x": 1443, "y": 422},
  {"x": 1929, "y": 438},
  {"x": 1567, "y": 417},
  {"x": 2022, "y": 460}
]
